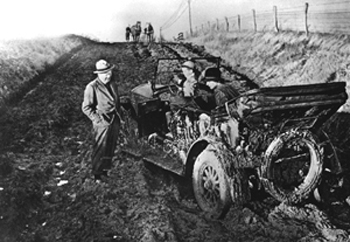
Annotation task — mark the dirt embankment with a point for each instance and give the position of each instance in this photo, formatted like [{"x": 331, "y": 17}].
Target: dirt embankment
[
  {"x": 23, "y": 62},
  {"x": 279, "y": 59}
]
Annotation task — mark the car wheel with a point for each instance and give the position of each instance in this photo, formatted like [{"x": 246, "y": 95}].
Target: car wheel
[
  {"x": 293, "y": 166},
  {"x": 210, "y": 186}
]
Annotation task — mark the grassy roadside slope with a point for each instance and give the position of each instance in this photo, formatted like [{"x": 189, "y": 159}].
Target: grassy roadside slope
[
  {"x": 23, "y": 60},
  {"x": 279, "y": 59}
]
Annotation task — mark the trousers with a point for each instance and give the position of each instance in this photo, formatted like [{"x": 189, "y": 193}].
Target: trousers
[{"x": 105, "y": 142}]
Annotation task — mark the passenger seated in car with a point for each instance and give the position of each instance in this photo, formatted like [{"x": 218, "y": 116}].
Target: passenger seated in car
[
  {"x": 194, "y": 95},
  {"x": 179, "y": 80},
  {"x": 223, "y": 91},
  {"x": 191, "y": 73}
]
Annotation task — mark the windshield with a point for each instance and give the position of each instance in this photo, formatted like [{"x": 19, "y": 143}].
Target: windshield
[{"x": 168, "y": 67}]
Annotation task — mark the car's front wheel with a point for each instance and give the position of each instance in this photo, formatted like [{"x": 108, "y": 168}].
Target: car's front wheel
[{"x": 210, "y": 186}]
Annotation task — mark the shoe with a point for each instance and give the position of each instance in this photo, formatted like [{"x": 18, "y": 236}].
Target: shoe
[
  {"x": 105, "y": 173},
  {"x": 103, "y": 177},
  {"x": 97, "y": 178}
]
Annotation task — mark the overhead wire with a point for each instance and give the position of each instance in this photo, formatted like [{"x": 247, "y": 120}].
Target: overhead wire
[
  {"x": 173, "y": 16},
  {"x": 176, "y": 12},
  {"x": 180, "y": 13},
  {"x": 176, "y": 15},
  {"x": 175, "y": 20}
]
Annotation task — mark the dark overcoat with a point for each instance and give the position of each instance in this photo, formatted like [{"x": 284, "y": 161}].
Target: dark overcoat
[{"x": 102, "y": 106}]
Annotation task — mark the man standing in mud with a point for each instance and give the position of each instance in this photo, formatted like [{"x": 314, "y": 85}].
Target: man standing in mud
[{"x": 102, "y": 105}]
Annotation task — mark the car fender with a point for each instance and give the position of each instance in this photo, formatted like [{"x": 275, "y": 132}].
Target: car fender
[
  {"x": 212, "y": 143},
  {"x": 236, "y": 177}
]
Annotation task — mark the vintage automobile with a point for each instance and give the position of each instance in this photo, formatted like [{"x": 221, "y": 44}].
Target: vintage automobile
[{"x": 268, "y": 138}]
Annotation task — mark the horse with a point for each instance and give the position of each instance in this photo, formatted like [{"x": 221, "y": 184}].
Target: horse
[
  {"x": 149, "y": 31},
  {"x": 136, "y": 31}
]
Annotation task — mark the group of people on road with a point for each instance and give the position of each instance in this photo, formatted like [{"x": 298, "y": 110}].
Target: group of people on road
[
  {"x": 101, "y": 105},
  {"x": 136, "y": 30}
]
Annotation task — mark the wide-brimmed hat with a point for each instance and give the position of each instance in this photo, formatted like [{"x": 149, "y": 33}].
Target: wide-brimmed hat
[
  {"x": 212, "y": 74},
  {"x": 188, "y": 64},
  {"x": 102, "y": 66}
]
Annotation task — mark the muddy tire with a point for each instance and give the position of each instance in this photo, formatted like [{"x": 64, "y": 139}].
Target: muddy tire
[
  {"x": 210, "y": 186},
  {"x": 293, "y": 166}
]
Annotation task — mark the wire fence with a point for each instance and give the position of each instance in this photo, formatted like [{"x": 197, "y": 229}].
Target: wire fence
[{"x": 324, "y": 17}]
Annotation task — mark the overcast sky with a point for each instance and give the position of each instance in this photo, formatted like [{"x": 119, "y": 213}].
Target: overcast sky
[{"x": 107, "y": 19}]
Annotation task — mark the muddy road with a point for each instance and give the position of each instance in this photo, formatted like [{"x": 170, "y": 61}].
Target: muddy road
[{"x": 47, "y": 192}]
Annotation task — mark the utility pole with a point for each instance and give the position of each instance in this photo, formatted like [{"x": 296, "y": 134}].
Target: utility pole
[
  {"x": 160, "y": 34},
  {"x": 189, "y": 11}
]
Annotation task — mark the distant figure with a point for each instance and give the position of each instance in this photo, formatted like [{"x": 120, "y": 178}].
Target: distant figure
[
  {"x": 149, "y": 31},
  {"x": 127, "y": 33},
  {"x": 136, "y": 31}
]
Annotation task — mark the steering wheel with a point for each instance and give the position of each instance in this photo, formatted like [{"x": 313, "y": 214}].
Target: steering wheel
[{"x": 173, "y": 89}]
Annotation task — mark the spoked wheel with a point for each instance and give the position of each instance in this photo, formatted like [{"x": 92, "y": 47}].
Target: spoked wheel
[
  {"x": 293, "y": 166},
  {"x": 210, "y": 186}
]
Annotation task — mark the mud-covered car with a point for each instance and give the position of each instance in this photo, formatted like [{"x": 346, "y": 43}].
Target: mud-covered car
[{"x": 265, "y": 139}]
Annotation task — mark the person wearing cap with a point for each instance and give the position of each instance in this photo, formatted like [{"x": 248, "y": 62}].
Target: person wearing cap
[
  {"x": 179, "y": 80},
  {"x": 102, "y": 106},
  {"x": 186, "y": 82},
  {"x": 190, "y": 72},
  {"x": 223, "y": 92}
]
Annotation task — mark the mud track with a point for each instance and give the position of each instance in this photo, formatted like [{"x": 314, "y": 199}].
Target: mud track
[{"x": 48, "y": 141}]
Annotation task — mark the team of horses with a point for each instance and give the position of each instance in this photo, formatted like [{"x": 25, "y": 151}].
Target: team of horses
[{"x": 136, "y": 32}]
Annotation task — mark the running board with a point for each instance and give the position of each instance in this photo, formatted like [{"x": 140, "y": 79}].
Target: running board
[
  {"x": 167, "y": 161},
  {"x": 167, "y": 164}
]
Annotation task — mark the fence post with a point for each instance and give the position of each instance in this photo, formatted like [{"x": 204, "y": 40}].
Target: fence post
[
  {"x": 209, "y": 25},
  {"x": 306, "y": 26},
  {"x": 254, "y": 20},
  {"x": 275, "y": 19},
  {"x": 227, "y": 24},
  {"x": 217, "y": 24},
  {"x": 239, "y": 23}
]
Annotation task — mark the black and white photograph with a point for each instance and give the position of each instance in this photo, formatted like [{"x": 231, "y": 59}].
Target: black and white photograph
[{"x": 174, "y": 121}]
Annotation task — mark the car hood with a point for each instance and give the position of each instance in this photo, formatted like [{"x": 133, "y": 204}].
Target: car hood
[{"x": 144, "y": 90}]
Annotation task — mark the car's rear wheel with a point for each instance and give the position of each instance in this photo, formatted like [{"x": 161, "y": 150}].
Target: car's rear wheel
[
  {"x": 293, "y": 166},
  {"x": 210, "y": 186}
]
